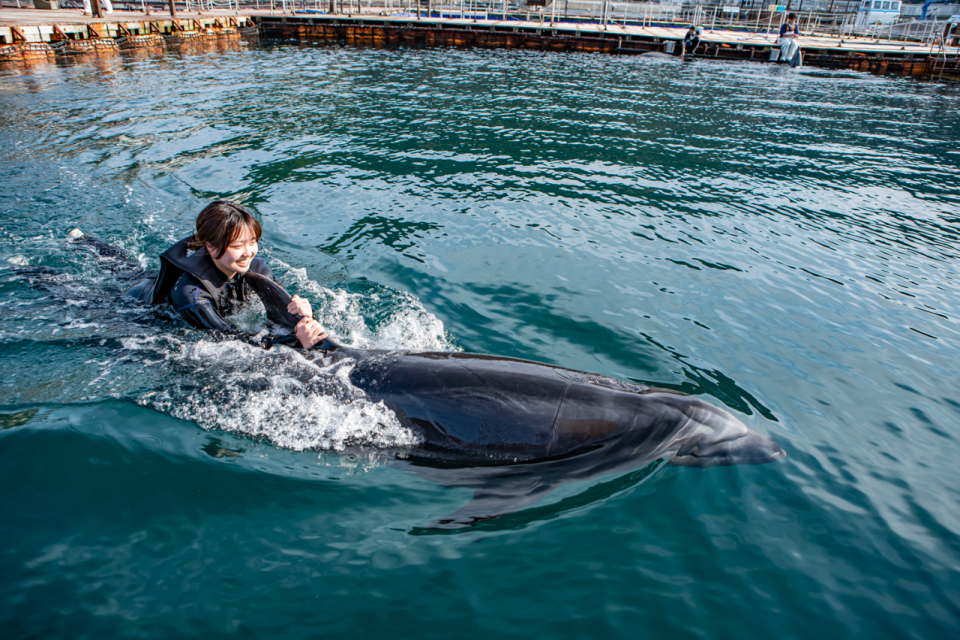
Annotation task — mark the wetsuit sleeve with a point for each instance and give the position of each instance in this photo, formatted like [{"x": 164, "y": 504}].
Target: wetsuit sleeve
[{"x": 196, "y": 306}]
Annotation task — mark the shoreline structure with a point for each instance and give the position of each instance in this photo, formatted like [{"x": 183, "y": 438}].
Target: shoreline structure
[{"x": 31, "y": 35}]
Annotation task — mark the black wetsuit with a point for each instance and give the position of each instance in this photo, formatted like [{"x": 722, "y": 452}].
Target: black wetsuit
[
  {"x": 691, "y": 42},
  {"x": 198, "y": 290},
  {"x": 205, "y": 311}
]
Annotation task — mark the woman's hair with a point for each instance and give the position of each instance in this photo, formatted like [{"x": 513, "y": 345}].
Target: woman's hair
[{"x": 220, "y": 223}]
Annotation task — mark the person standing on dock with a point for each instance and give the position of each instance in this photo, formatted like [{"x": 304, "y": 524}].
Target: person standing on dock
[
  {"x": 107, "y": 7},
  {"x": 789, "y": 47},
  {"x": 690, "y": 41}
]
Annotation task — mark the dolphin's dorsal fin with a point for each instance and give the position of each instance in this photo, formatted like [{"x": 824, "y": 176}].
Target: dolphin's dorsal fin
[{"x": 275, "y": 298}]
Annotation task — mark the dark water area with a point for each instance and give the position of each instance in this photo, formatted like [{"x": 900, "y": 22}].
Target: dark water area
[{"x": 783, "y": 245}]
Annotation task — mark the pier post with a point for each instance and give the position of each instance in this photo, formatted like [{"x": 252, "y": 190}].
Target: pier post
[{"x": 173, "y": 9}]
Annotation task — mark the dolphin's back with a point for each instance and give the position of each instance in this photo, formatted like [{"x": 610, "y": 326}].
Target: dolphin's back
[{"x": 498, "y": 409}]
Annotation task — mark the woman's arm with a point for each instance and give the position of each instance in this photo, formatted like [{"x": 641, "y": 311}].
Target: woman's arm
[{"x": 196, "y": 306}]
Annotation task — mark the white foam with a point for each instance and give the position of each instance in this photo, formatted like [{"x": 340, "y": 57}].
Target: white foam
[
  {"x": 277, "y": 395},
  {"x": 408, "y": 326},
  {"x": 250, "y": 316}
]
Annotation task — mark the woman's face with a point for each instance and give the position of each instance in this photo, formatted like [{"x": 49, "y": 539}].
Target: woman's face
[{"x": 239, "y": 253}]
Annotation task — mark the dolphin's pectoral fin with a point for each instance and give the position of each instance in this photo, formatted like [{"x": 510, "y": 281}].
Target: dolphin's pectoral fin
[
  {"x": 489, "y": 512},
  {"x": 488, "y": 504},
  {"x": 498, "y": 495}
]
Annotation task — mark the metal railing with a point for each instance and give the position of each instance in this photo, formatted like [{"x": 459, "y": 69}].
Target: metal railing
[
  {"x": 750, "y": 16},
  {"x": 604, "y": 12}
]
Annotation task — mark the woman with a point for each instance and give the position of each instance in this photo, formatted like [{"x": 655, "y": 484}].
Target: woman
[
  {"x": 208, "y": 284},
  {"x": 789, "y": 47}
]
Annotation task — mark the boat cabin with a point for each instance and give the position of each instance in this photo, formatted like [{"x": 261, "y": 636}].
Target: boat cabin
[{"x": 874, "y": 12}]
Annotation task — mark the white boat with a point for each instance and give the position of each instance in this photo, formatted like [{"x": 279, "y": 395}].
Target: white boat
[{"x": 877, "y": 12}]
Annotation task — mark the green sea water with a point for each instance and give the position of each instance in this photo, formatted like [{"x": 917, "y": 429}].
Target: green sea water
[{"x": 781, "y": 244}]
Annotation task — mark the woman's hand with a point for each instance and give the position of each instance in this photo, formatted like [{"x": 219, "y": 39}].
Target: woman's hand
[
  {"x": 300, "y": 306},
  {"x": 309, "y": 332}
]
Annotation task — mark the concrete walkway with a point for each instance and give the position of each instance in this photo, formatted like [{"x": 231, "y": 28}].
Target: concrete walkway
[{"x": 29, "y": 17}]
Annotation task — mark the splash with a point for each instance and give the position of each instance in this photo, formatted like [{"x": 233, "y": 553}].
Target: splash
[
  {"x": 293, "y": 401},
  {"x": 290, "y": 398},
  {"x": 400, "y": 319}
]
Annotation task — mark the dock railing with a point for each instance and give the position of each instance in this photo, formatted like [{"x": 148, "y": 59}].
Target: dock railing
[
  {"x": 757, "y": 18},
  {"x": 750, "y": 16}
]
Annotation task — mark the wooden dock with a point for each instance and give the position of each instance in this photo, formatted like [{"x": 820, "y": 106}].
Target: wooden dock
[
  {"x": 32, "y": 33},
  {"x": 29, "y": 35},
  {"x": 864, "y": 54}
]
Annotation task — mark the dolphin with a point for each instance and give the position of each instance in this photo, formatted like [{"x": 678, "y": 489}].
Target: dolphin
[
  {"x": 514, "y": 430},
  {"x": 660, "y": 55},
  {"x": 511, "y": 430}
]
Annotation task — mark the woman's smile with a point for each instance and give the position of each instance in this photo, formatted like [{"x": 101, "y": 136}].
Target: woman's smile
[{"x": 239, "y": 253}]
